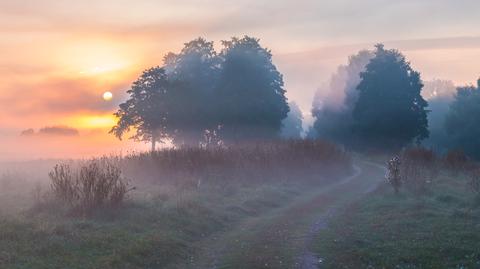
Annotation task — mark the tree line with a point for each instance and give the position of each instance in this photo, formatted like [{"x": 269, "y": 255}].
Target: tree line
[{"x": 237, "y": 94}]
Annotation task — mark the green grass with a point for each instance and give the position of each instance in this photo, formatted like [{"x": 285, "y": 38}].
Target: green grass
[
  {"x": 152, "y": 231},
  {"x": 440, "y": 229}
]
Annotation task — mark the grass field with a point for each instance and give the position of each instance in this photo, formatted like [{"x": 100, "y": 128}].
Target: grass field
[
  {"x": 182, "y": 199},
  {"x": 439, "y": 229}
]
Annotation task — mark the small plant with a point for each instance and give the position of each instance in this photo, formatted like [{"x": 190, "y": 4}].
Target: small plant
[
  {"x": 393, "y": 173},
  {"x": 94, "y": 185}
]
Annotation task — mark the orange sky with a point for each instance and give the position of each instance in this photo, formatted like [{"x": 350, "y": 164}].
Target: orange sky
[{"x": 57, "y": 57}]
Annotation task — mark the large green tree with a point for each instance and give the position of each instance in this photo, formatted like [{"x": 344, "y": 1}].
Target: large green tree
[
  {"x": 250, "y": 91},
  {"x": 193, "y": 74},
  {"x": 333, "y": 112},
  {"x": 390, "y": 111},
  {"x": 463, "y": 120},
  {"x": 145, "y": 112}
]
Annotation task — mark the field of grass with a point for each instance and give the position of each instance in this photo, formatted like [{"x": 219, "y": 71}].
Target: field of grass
[
  {"x": 438, "y": 229},
  {"x": 182, "y": 198}
]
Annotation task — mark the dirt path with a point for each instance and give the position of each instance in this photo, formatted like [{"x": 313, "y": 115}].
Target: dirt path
[
  {"x": 281, "y": 239},
  {"x": 310, "y": 260}
]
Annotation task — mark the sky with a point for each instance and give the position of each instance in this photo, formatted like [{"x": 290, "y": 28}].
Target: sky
[{"x": 58, "y": 57}]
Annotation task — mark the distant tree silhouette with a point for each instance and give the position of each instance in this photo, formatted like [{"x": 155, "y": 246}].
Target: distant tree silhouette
[
  {"x": 333, "y": 113},
  {"x": 250, "y": 91},
  {"x": 146, "y": 109},
  {"x": 463, "y": 120},
  {"x": 439, "y": 94},
  {"x": 390, "y": 111},
  {"x": 292, "y": 124},
  {"x": 193, "y": 74}
]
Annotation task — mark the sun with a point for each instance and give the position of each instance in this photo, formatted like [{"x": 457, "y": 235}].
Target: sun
[{"x": 107, "y": 96}]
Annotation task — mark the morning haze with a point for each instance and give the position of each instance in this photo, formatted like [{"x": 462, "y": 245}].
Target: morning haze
[{"x": 239, "y": 134}]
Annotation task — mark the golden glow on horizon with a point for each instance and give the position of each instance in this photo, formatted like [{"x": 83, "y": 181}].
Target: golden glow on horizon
[{"x": 105, "y": 121}]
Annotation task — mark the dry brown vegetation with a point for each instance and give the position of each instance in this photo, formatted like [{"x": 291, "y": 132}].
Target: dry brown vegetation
[
  {"x": 255, "y": 162},
  {"x": 90, "y": 185},
  {"x": 418, "y": 168}
]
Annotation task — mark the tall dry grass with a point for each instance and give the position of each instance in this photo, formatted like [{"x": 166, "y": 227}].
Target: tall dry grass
[
  {"x": 88, "y": 186},
  {"x": 252, "y": 162}
]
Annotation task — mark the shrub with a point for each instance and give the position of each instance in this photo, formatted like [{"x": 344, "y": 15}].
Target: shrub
[
  {"x": 393, "y": 173},
  {"x": 455, "y": 160},
  {"x": 419, "y": 168},
  {"x": 93, "y": 185}
]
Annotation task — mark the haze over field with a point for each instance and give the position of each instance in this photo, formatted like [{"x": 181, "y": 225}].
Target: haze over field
[{"x": 57, "y": 58}]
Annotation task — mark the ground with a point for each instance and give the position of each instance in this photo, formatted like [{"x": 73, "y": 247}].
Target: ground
[{"x": 438, "y": 229}]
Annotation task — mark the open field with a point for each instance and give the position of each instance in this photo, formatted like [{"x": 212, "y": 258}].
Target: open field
[
  {"x": 182, "y": 200},
  {"x": 438, "y": 229}
]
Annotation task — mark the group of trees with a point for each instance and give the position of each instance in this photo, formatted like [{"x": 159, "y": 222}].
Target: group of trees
[
  {"x": 462, "y": 122},
  {"x": 377, "y": 101},
  {"x": 237, "y": 93},
  {"x": 381, "y": 105}
]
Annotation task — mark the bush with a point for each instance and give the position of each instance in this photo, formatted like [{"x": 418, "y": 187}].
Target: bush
[
  {"x": 418, "y": 168},
  {"x": 93, "y": 185},
  {"x": 393, "y": 173},
  {"x": 455, "y": 160}
]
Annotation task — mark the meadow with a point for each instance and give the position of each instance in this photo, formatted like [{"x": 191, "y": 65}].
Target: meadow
[
  {"x": 176, "y": 201},
  {"x": 428, "y": 225}
]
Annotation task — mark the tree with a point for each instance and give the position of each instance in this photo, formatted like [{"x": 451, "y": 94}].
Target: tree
[
  {"x": 193, "y": 74},
  {"x": 463, "y": 120},
  {"x": 439, "y": 94},
  {"x": 146, "y": 109},
  {"x": 333, "y": 115},
  {"x": 390, "y": 111},
  {"x": 250, "y": 91},
  {"x": 292, "y": 124}
]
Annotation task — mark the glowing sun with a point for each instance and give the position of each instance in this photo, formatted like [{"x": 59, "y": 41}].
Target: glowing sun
[{"x": 107, "y": 96}]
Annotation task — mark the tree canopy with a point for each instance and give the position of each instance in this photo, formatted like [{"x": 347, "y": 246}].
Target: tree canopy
[
  {"x": 333, "y": 113},
  {"x": 250, "y": 91},
  {"x": 193, "y": 75},
  {"x": 463, "y": 120},
  {"x": 145, "y": 110},
  {"x": 292, "y": 124},
  {"x": 390, "y": 111},
  {"x": 235, "y": 94}
]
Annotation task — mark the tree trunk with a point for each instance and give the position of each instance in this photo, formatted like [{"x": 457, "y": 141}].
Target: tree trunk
[{"x": 154, "y": 141}]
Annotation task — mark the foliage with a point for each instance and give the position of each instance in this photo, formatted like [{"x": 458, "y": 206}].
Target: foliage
[
  {"x": 246, "y": 162},
  {"x": 192, "y": 105},
  {"x": 145, "y": 110},
  {"x": 238, "y": 94},
  {"x": 455, "y": 160},
  {"x": 390, "y": 112},
  {"x": 94, "y": 185},
  {"x": 439, "y": 94},
  {"x": 393, "y": 173},
  {"x": 333, "y": 115},
  {"x": 462, "y": 121},
  {"x": 419, "y": 168},
  {"x": 292, "y": 125},
  {"x": 250, "y": 91}
]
